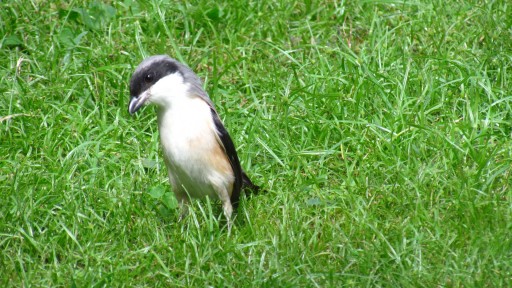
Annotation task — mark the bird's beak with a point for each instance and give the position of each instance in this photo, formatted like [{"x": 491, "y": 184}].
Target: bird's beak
[{"x": 136, "y": 102}]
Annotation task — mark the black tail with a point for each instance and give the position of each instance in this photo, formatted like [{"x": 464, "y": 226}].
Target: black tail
[{"x": 248, "y": 185}]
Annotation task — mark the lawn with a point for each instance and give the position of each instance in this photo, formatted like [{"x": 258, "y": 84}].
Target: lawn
[{"x": 380, "y": 130}]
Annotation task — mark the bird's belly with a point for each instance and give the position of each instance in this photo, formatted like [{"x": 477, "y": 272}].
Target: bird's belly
[
  {"x": 191, "y": 172},
  {"x": 190, "y": 167},
  {"x": 192, "y": 182}
]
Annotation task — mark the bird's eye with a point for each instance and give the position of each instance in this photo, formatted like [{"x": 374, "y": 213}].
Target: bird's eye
[{"x": 148, "y": 78}]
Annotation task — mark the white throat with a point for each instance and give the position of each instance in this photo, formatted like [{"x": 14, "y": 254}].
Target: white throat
[{"x": 169, "y": 91}]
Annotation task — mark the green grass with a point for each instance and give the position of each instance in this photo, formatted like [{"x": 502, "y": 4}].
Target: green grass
[{"x": 382, "y": 131}]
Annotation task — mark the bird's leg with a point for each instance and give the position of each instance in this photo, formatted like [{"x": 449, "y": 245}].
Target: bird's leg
[
  {"x": 179, "y": 192},
  {"x": 183, "y": 202},
  {"x": 228, "y": 211},
  {"x": 227, "y": 207},
  {"x": 184, "y": 211}
]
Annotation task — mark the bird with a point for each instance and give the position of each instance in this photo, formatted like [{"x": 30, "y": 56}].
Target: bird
[{"x": 199, "y": 154}]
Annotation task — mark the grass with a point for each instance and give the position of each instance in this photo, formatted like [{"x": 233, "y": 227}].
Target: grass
[{"x": 380, "y": 129}]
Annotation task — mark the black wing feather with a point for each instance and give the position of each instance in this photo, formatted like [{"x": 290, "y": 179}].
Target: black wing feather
[{"x": 230, "y": 150}]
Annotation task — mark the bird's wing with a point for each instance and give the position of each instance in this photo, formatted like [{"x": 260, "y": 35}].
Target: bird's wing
[{"x": 228, "y": 146}]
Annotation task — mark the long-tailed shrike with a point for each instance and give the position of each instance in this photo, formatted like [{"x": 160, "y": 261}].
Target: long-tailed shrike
[{"x": 200, "y": 156}]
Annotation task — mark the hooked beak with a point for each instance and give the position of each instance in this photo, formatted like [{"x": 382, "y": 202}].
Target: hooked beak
[{"x": 137, "y": 102}]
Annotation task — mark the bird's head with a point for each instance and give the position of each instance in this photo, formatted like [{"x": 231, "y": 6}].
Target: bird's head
[{"x": 161, "y": 80}]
